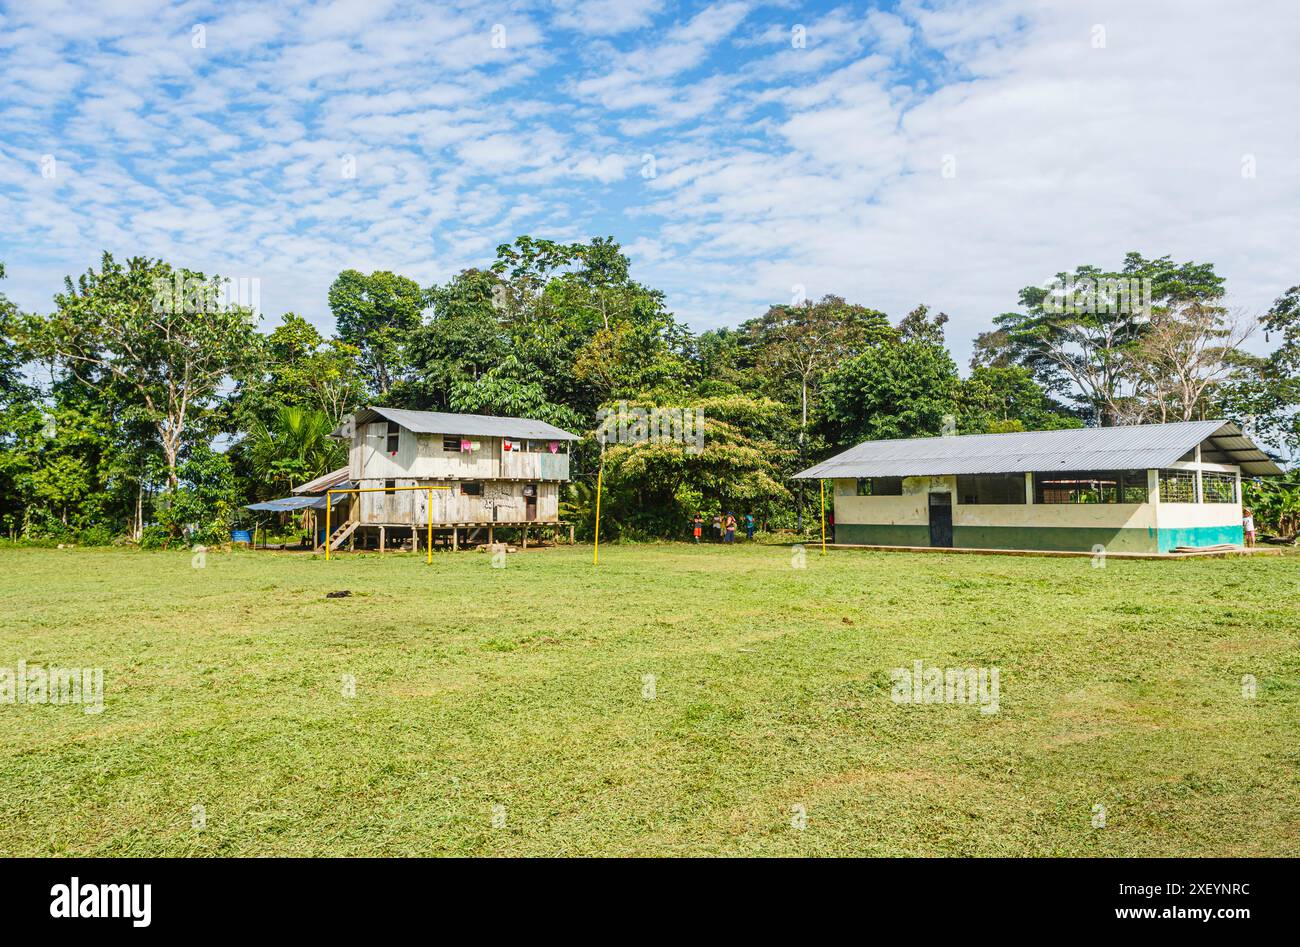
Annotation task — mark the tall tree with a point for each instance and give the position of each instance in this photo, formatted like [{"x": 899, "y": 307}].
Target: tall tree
[
  {"x": 1078, "y": 334},
  {"x": 377, "y": 314},
  {"x": 164, "y": 335}
]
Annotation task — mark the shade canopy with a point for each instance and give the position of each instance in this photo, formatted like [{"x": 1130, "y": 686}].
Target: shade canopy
[{"x": 290, "y": 504}]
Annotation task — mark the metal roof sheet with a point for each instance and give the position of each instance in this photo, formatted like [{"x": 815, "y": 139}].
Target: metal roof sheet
[
  {"x": 289, "y": 504},
  {"x": 335, "y": 478},
  {"x": 1135, "y": 447},
  {"x": 481, "y": 425}
]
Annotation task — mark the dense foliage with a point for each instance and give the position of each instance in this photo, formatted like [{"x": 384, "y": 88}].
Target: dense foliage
[{"x": 145, "y": 407}]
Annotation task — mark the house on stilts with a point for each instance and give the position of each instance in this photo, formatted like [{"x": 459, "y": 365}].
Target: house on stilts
[{"x": 485, "y": 472}]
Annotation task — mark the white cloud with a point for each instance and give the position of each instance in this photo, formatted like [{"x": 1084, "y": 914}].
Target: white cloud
[{"x": 776, "y": 165}]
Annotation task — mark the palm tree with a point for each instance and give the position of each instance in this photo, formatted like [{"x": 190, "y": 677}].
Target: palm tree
[{"x": 294, "y": 448}]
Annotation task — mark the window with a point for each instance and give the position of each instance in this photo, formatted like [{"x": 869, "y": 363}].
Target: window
[
  {"x": 1218, "y": 487},
  {"x": 1177, "y": 486},
  {"x": 1091, "y": 486},
  {"x": 1133, "y": 487},
  {"x": 450, "y": 443},
  {"x": 388, "y": 486},
  {"x": 880, "y": 486},
  {"x": 394, "y": 436},
  {"x": 991, "y": 488},
  {"x": 471, "y": 488}
]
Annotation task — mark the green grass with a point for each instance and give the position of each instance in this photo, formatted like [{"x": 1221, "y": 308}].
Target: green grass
[{"x": 522, "y": 688}]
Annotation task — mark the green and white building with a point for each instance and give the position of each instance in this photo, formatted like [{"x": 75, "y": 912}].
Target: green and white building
[{"x": 1151, "y": 488}]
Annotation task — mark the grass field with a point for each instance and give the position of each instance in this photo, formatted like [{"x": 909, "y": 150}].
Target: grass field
[{"x": 518, "y": 696}]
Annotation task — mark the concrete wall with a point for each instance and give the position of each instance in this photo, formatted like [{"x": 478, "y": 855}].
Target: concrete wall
[{"x": 1122, "y": 527}]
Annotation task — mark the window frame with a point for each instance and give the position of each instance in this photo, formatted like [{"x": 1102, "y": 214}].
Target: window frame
[
  {"x": 1011, "y": 479},
  {"x": 1219, "y": 477},
  {"x": 1109, "y": 487},
  {"x": 448, "y": 438},
  {"x": 1176, "y": 474},
  {"x": 471, "y": 488},
  {"x": 393, "y": 438},
  {"x": 874, "y": 486}
]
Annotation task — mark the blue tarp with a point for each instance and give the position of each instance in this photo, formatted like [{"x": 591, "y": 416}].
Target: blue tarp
[{"x": 289, "y": 504}]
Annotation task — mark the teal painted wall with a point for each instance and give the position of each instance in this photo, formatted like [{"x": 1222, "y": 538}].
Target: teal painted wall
[
  {"x": 1068, "y": 538},
  {"x": 1171, "y": 539}
]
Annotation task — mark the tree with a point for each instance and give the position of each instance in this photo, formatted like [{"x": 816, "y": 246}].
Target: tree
[
  {"x": 300, "y": 368},
  {"x": 654, "y": 487},
  {"x": 161, "y": 334},
  {"x": 997, "y": 400},
  {"x": 1077, "y": 336},
  {"x": 464, "y": 338},
  {"x": 891, "y": 390},
  {"x": 1187, "y": 348},
  {"x": 376, "y": 314},
  {"x": 293, "y": 449}
]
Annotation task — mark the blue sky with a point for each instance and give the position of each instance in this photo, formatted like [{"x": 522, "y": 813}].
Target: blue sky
[{"x": 939, "y": 152}]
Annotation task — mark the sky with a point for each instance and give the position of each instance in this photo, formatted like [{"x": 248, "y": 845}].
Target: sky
[{"x": 743, "y": 153}]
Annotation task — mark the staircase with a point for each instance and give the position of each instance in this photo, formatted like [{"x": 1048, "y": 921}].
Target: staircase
[{"x": 340, "y": 535}]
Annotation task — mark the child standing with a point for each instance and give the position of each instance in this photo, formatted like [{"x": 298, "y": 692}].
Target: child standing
[
  {"x": 731, "y": 528},
  {"x": 698, "y": 527},
  {"x": 1248, "y": 526}
]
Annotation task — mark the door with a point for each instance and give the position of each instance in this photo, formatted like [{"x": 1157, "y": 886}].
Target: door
[
  {"x": 941, "y": 520},
  {"x": 530, "y": 502}
]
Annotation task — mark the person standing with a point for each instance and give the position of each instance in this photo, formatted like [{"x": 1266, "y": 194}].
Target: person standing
[
  {"x": 1248, "y": 526},
  {"x": 717, "y": 527},
  {"x": 698, "y": 527},
  {"x": 731, "y": 528},
  {"x": 749, "y": 527}
]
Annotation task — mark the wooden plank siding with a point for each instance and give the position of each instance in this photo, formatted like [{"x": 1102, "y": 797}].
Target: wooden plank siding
[{"x": 500, "y": 502}]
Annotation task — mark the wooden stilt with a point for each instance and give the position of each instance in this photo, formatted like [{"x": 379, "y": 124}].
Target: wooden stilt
[
  {"x": 490, "y": 540},
  {"x": 525, "y": 535},
  {"x": 382, "y": 538},
  {"x": 455, "y": 539}
]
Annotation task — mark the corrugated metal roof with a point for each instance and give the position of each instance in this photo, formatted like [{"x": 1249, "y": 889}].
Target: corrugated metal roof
[
  {"x": 481, "y": 425},
  {"x": 289, "y": 504},
  {"x": 1136, "y": 447},
  {"x": 335, "y": 478}
]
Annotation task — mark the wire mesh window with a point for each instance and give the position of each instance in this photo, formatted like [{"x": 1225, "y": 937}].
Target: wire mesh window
[
  {"x": 880, "y": 486},
  {"x": 1218, "y": 487},
  {"x": 1091, "y": 486},
  {"x": 1177, "y": 486},
  {"x": 991, "y": 488}
]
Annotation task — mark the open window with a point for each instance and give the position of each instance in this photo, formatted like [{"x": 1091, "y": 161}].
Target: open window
[
  {"x": 471, "y": 488},
  {"x": 394, "y": 437},
  {"x": 991, "y": 488},
  {"x": 880, "y": 486}
]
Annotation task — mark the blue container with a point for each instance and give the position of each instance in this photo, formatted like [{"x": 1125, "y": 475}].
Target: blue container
[{"x": 241, "y": 536}]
